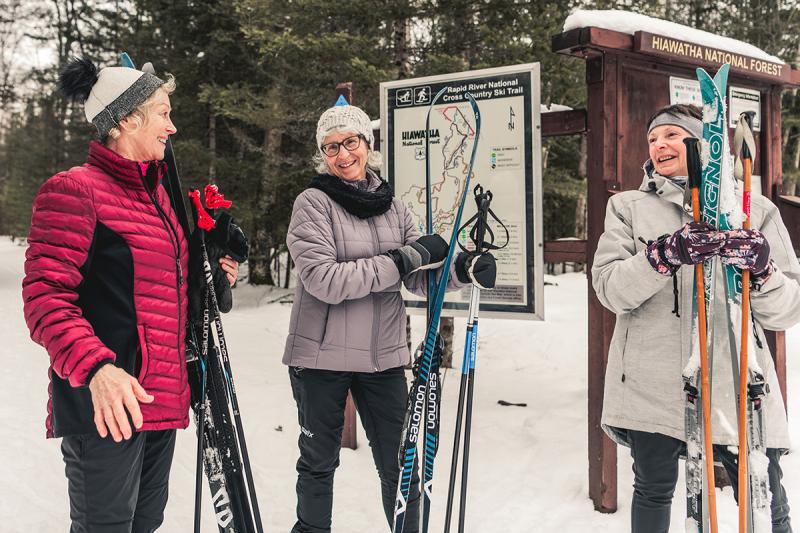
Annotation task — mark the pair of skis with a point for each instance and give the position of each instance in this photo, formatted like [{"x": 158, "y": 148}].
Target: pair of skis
[
  {"x": 422, "y": 414},
  {"x": 221, "y": 450},
  {"x": 221, "y": 445},
  {"x": 713, "y": 201}
]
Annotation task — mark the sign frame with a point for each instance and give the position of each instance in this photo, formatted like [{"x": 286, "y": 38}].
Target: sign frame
[{"x": 531, "y": 175}]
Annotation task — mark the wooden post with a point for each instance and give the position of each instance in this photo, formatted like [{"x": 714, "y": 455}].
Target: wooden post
[
  {"x": 349, "y": 437},
  {"x": 601, "y": 79},
  {"x": 349, "y": 433}
]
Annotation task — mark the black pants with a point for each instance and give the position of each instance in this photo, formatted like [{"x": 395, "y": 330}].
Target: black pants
[
  {"x": 655, "y": 470},
  {"x": 118, "y": 487},
  {"x": 381, "y": 402}
]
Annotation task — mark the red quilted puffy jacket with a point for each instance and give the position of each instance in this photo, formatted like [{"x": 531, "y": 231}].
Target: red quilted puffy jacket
[{"x": 105, "y": 280}]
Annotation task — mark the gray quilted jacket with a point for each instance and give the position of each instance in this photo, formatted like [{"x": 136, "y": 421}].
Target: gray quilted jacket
[
  {"x": 650, "y": 346},
  {"x": 348, "y": 312}
]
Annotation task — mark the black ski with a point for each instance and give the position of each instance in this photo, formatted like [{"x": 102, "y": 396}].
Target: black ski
[{"x": 221, "y": 450}]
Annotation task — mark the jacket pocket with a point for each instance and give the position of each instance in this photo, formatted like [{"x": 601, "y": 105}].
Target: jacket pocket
[
  {"x": 144, "y": 352},
  {"x": 623, "y": 363}
]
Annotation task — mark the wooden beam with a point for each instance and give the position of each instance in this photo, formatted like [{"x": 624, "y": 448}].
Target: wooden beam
[
  {"x": 576, "y": 42},
  {"x": 558, "y": 123},
  {"x": 565, "y": 251}
]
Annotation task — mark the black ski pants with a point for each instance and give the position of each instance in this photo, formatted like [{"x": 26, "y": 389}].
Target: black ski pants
[
  {"x": 380, "y": 399},
  {"x": 655, "y": 470},
  {"x": 118, "y": 487}
]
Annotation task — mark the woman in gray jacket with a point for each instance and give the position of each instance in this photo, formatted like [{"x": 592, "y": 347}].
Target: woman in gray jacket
[
  {"x": 353, "y": 245},
  {"x": 633, "y": 275}
]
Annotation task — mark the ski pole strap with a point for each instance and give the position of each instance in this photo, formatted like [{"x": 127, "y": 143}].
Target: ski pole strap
[
  {"x": 202, "y": 218},
  {"x": 481, "y": 227},
  {"x": 744, "y": 144}
]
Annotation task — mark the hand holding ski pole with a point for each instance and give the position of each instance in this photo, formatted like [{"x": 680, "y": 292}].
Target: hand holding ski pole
[
  {"x": 694, "y": 243},
  {"x": 115, "y": 393},
  {"x": 426, "y": 253},
  {"x": 480, "y": 269},
  {"x": 230, "y": 267},
  {"x": 747, "y": 249}
]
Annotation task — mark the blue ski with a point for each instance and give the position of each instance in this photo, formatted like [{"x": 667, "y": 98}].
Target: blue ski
[{"x": 421, "y": 386}]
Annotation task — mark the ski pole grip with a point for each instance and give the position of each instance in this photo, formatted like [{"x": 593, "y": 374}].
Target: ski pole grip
[
  {"x": 693, "y": 165},
  {"x": 748, "y": 120},
  {"x": 482, "y": 199}
]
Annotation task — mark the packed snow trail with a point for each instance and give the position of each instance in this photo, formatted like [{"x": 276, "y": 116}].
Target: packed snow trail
[{"x": 528, "y": 466}]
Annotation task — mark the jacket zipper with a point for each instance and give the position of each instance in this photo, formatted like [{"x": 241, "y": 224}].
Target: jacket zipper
[
  {"x": 376, "y": 306},
  {"x": 176, "y": 248}
]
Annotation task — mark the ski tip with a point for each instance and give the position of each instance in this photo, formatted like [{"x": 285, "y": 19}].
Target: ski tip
[
  {"x": 341, "y": 101},
  {"x": 702, "y": 74},
  {"x": 721, "y": 78},
  {"x": 126, "y": 60}
]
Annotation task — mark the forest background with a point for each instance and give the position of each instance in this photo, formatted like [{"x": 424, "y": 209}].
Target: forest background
[{"x": 254, "y": 75}]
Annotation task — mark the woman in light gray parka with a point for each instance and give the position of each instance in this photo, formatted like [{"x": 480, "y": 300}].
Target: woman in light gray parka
[
  {"x": 633, "y": 274},
  {"x": 353, "y": 245}
]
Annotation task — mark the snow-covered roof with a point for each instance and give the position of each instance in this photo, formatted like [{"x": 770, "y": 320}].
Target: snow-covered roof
[
  {"x": 626, "y": 22},
  {"x": 554, "y": 107}
]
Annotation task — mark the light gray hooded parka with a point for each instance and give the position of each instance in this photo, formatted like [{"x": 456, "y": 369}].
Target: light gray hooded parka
[
  {"x": 348, "y": 313},
  {"x": 650, "y": 346}
]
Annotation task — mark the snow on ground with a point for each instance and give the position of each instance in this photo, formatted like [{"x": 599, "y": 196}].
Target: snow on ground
[
  {"x": 528, "y": 469},
  {"x": 627, "y": 22}
]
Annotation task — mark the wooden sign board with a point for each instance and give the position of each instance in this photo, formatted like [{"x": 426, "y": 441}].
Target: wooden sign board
[{"x": 704, "y": 56}]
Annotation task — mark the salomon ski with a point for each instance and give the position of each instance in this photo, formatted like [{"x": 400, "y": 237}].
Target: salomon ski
[
  {"x": 416, "y": 422},
  {"x": 224, "y": 449},
  {"x": 433, "y": 397}
]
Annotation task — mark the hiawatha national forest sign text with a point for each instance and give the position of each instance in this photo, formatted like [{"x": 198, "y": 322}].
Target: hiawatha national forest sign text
[{"x": 670, "y": 48}]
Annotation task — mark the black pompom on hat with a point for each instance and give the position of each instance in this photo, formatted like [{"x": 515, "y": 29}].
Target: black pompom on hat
[{"x": 109, "y": 94}]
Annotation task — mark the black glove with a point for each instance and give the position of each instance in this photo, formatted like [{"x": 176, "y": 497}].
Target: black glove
[
  {"x": 427, "y": 252},
  {"x": 229, "y": 237},
  {"x": 478, "y": 269},
  {"x": 225, "y": 239}
]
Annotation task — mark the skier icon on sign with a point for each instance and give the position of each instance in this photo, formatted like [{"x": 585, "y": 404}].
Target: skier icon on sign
[
  {"x": 403, "y": 97},
  {"x": 422, "y": 95}
]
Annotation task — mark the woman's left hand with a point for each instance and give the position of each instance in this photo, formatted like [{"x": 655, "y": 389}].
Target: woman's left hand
[{"x": 231, "y": 268}]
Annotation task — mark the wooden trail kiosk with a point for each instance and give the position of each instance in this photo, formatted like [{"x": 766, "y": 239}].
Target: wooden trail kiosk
[{"x": 628, "y": 77}]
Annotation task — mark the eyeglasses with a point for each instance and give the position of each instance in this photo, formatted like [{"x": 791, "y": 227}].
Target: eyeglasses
[{"x": 350, "y": 144}]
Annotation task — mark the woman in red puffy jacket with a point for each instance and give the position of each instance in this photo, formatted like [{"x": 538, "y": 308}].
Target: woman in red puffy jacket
[{"x": 105, "y": 293}]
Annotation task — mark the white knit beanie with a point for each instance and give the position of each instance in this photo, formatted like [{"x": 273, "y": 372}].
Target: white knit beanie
[
  {"x": 344, "y": 117},
  {"x": 110, "y": 94}
]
